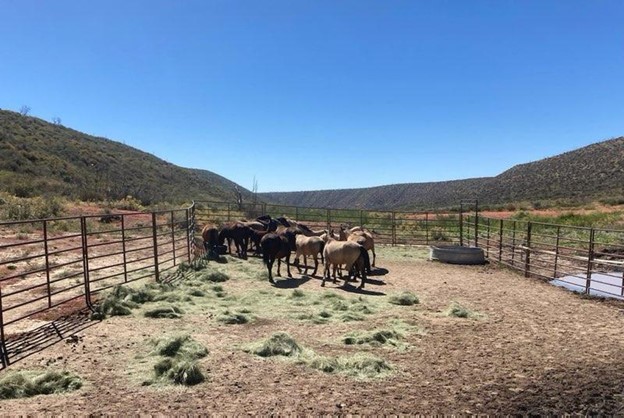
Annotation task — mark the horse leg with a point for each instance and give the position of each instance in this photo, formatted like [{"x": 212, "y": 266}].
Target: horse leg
[
  {"x": 279, "y": 265},
  {"x": 373, "y": 250},
  {"x": 297, "y": 264},
  {"x": 288, "y": 265},
  {"x": 325, "y": 273},
  {"x": 270, "y": 266},
  {"x": 315, "y": 265}
]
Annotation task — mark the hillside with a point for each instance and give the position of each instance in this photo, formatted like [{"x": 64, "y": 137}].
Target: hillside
[
  {"x": 589, "y": 173},
  {"x": 40, "y": 158}
]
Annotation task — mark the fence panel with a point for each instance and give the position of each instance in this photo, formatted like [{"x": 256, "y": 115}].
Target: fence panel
[{"x": 59, "y": 265}]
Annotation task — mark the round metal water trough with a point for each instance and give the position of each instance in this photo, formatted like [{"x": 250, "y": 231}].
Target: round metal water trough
[{"x": 455, "y": 254}]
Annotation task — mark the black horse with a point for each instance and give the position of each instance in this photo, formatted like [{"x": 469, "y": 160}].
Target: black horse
[
  {"x": 238, "y": 233},
  {"x": 275, "y": 247}
]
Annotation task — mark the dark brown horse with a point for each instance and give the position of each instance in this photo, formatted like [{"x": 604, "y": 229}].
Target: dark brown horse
[
  {"x": 275, "y": 247},
  {"x": 238, "y": 233}
]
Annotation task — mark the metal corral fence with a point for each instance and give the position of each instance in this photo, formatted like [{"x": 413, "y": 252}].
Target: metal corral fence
[
  {"x": 51, "y": 267},
  {"x": 390, "y": 227},
  {"x": 586, "y": 260}
]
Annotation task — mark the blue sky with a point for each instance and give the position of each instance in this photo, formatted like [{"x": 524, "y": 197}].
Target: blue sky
[{"x": 308, "y": 95}]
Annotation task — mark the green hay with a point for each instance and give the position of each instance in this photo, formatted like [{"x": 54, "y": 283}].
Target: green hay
[
  {"x": 170, "y": 312},
  {"x": 458, "y": 311},
  {"x": 178, "y": 360},
  {"x": 30, "y": 383},
  {"x": 351, "y": 316},
  {"x": 359, "y": 365},
  {"x": 375, "y": 338},
  {"x": 196, "y": 292},
  {"x": 363, "y": 366},
  {"x": 217, "y": 288},
  {"x": 404, "y": 299},
  {"x": 331, "y": 295},
  {"x": 297, "y": 293},
  {"x": 279, "y": 344},
  {"x": 212, "y": 276},
  {"x": 172, "y": 346},
  {"x": 233, "y": 318}
]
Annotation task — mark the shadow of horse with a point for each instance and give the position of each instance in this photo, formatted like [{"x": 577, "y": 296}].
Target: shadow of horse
[
  {"x": 292, "y": 283},
  {"x": 347, "y": 287},
  {"x": 379, "y": 271}
]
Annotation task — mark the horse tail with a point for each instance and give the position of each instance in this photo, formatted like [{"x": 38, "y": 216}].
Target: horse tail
[
  {"x": 265, "y": 253},
  {"x": 322, "y": 251},
  {"x": 364, "y": 255}
]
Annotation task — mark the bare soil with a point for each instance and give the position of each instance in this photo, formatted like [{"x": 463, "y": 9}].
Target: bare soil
[{"x": 534, "y": 348}]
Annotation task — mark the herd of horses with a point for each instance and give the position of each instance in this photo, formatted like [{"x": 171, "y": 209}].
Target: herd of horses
[{"x": 277, "y": 238}]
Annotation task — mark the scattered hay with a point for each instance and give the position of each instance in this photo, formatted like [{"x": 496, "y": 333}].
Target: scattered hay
[
  {"x": 359, "y": 365},
  {"x": 232, "y": 318},
  {"x": 183, "y": 345},
  {"x": 351, "y": 316},
  {"x": 404, "y": 299},
  {"x": 24, "y": 384},
  {"x": 214, "y": 276},
  {"x": 165, "y": 311},
  {"x": 375, "y": 338},
  {"x": 178, "y": 363},
  {"x": 196, "y": 292},
  {"x": 458, "y": 311},
  {"x": 279, "y": 344},
  {"x": 297, "y": 293}
]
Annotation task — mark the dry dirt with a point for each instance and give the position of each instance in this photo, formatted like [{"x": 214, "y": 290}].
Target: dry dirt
[{"x": 534, "y": 349}]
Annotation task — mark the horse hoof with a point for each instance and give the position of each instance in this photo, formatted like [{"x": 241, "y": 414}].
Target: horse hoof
[{"x": 323, "y": 284}]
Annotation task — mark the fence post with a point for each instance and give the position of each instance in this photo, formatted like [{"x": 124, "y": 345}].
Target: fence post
[
  {"x": 264, "y": 209},
  {"x": 190, "y": 228},
  {"x": 527, "y": 259},
  {"x": 155, "y": 238},
  {"x": 328, "y": 219},
  {"x": 47, "y": 261},
  {"x": 590, "y": 259},
  {"x": 461, "y": 225},
  {"x": 173, "y": 239},
  {"x": 394, "y": 229},
  {"x": 513, "y": 244},
  {"x": 296, "y": 213},
  {"x": 228, "y": 212},
  {"x": 556, "y": 252},
  {"x": 123, "y": 247},
  {"x": 361, "y": 218},
  {"x": 426, "y": 228},
  {"x": 500, "y": 242},
  {"x": 487, "y": 241},
  {"x": 85, "y": 259},
  {"x": 4, "y": 356},
  {"x": 476, "y": 240}
]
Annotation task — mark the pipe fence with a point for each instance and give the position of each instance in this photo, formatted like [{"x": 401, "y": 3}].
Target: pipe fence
[
  {"x": 54, "y": 267},
  {"x": 390, "y": 227},
  {"x": 585, "y": 260}
]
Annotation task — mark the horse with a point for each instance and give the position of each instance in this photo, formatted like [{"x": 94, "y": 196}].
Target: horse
[
  {"x": 239, "y": 233},
  {"x": 275, "y": 247},
  {"x": 363, "y": 237},
  {"x": 309, "y": 246},
  {"x": 210, "y": 235},
  {"x": 349, "y": 253}
]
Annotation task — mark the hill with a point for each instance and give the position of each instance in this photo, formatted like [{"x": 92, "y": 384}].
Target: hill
[
  {"x": 40, "y": 158},
  {"x": 590, "y": 173}
]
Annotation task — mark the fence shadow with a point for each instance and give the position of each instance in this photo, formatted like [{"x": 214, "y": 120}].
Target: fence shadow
[{"x": 19, "y": 346}]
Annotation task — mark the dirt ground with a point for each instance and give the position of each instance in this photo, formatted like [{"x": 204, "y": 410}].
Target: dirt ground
[{"x": 534, "y": 348}]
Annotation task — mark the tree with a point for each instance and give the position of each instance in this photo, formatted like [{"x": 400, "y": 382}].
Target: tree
[
  {"x": 56, "y": 120},
  {"x": 254, "y": 189},
  {"x": 24, "y": 110}
]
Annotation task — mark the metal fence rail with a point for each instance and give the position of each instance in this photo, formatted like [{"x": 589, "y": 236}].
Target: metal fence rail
[
  {"x": 60, "y": 265},
  {"x": 390, "y": 227},
  {"x": 586, "y": 260}
]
